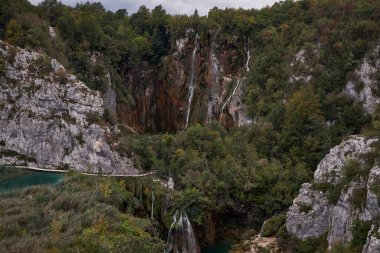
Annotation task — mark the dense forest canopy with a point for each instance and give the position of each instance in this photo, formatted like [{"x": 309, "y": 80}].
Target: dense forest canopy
[{"x": 254, "y": 171}]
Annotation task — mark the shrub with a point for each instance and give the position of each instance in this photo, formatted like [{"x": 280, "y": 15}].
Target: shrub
[
  {"x": 2, "y": 65},
  {"x": 304, "y": 208},
  {"x": 359, "y": 198},
  {"x": 360, "y": 231},
  {"x": 311, "y": 245},
  {"x": 61, "y": 76},
  {"x": 44, "y": 66}
]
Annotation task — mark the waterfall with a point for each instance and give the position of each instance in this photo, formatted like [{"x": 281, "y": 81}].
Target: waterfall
[
  {"x": 229, "y": 98},
  {"x": 191, "y": 85},
  {"x": 248, "y": 57},
  {"x": 215, "y": 72},
  {"x": 181, "y": 237}
]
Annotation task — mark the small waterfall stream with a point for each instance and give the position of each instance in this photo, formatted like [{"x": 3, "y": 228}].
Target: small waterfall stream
[
  {"x": 246, "y": 49},
  {"x": 229, "y": 98},
  {"x": 191, "y": 85},
  {"x": 181, "y": 237},
  {"x": 248, "y": 57}
]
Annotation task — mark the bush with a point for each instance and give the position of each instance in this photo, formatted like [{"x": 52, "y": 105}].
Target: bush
[
  {"x": 360, "y": 231},
  {"x": 311, "y": 245}
]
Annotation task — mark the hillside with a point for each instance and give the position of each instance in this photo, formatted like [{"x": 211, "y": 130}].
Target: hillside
[{"x": 259, "y": 128}]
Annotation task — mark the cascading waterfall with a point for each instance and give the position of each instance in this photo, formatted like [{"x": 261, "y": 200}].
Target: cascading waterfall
[
  {"x": 181, "y": 237},
  {"x": 229, "y": 98},
  {"x": 191, "y": 85}
]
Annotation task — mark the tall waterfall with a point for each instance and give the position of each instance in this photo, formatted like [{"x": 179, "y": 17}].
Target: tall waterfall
[
  {"x": 229, "y": 98},
  {"x": 181, "y": 235},
  {"x": 191, "y": 85}
]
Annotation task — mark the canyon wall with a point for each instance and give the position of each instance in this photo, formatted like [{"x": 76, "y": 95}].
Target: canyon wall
[{"x": 214, "y": 72}]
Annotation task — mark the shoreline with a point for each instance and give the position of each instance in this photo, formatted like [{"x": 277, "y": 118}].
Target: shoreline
[{"x": 83, "y": 173}]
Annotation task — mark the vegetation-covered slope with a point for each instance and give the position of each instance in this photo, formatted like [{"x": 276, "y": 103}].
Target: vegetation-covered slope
[
  {"x": 302, "y": 89},
  {"x": 81, "y": 214}
]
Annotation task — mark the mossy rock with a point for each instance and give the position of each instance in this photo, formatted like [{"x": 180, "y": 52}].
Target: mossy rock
[
  {"x": 282, "y": 233},
  {"x": 272, "y": 225}
]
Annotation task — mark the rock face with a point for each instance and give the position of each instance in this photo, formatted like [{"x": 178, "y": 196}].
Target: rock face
[
  {"x": 45, "y": 117},
  {"x": 365, "y": 86},
  {"x": 159, "y": 97},
  {"x": 313, "y": 213},
  {"x": 373, "y": 240}
]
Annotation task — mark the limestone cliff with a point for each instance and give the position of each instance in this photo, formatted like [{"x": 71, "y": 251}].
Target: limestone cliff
[
  {"x": 364, "y": 86},
  {"x": 344, "y": 192},
  {"x": 48, "y": 117},
  {"x": 160, "y": 96}
]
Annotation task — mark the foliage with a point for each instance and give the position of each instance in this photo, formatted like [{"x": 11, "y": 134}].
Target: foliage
[
  {"x": 360, "y": 231},
  {"x": 78, "y": 215},
  {"x": 227, "y": 170},
  {"x": 311, "y": 245}
]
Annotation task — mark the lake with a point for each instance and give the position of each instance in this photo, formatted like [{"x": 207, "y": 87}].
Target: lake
[
  {"x": 218, "y": 247},
  {"x": 16, "y": 178}
]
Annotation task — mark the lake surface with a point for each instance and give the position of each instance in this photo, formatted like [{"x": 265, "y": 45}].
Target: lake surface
[
  {"x": 16, "y": 178},
  {"x": 218, "y": 247}
]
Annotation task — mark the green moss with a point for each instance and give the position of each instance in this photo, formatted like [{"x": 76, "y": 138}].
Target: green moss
[
  {"x": 272, "y": 225},
  {"x": 282, "y": 233}
]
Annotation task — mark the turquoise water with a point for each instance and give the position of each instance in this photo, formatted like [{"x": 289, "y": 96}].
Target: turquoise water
[
  {"x": 15, "y": 178},
  {"x": 218, "y": 247}
]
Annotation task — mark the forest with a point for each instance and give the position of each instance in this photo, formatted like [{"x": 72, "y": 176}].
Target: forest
[{"x": 233, "y": 178}]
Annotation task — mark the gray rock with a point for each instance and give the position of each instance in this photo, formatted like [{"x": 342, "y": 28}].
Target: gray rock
[
  {"x": 329, "y": 170},
  {"x": 373, "y": 241},
  {"x": 362, "y": 89},
  {"x": 311, "y": 215},
  {"x": 45, "y": 116}
]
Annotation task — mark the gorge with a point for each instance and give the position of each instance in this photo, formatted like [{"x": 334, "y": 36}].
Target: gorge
[{"x": 239, "y": 131}]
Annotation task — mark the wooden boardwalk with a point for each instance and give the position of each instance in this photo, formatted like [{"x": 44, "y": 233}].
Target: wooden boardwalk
[{"x": 84, "y": 173}]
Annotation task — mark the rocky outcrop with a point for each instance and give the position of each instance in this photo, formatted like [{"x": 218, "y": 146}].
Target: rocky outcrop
[
  {"x": 159, "y": 97},
  {"x": 373, "y": 240},
  {"x": 315, "y": 212},
  {"x": 364, "y": 86},
  {"x": 260, "y": 244},
  {"x": 49, "y": 118}
]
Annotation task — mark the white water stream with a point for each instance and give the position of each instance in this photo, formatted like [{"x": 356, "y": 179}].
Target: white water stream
[{"x": 192, "y": 76}]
